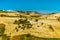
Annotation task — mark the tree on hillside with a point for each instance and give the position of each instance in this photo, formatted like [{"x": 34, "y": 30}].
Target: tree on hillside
[
  {"x": 2, "y": 29},
  {"x": 25, "y": 23},
  {"x": 53, "y": 13},
  {"x": 58, "y": 18}
]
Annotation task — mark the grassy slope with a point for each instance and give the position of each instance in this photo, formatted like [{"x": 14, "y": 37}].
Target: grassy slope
[{"x": 41, "y": 31}]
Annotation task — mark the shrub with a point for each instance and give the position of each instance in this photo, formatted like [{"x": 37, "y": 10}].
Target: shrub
[
  {"x": 51, "y": 27},
  {"x": 52, "y": 13},
  {"x": 58, "y": 19},
  {"x": 5, "y": 37},
  {"x": 2, "y": 29},
  {"x": 25, "y": 23},
  {"x": 2, "y": 15}
]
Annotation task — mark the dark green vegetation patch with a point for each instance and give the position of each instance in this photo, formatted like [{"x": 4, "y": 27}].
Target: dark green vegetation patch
[
  {"x": 31, "y": 37},
  {"x": 25, "y": 24}
]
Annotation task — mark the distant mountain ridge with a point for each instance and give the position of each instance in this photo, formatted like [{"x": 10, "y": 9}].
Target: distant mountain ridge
[{"x": 23, "y": 11}]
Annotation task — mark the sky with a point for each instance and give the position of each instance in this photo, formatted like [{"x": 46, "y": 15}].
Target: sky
[{"x": 43, "y": 6}]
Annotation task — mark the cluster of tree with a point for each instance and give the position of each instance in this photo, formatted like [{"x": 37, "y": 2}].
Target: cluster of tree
[
  {"x": 36, "y": 16},
  {"x": 21, "y": 11},
  {"x": 25, "y": 23},
  {"x": 2, "y": 30},
  {"x": 5, "y": 37},
  {"x": 25, "y": 37},
  {"x": 2, "y": 11},
  {"x": 31, "y": 37}
]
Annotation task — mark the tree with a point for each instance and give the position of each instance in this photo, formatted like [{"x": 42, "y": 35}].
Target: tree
[
  {"x": 52, "y": 13},
  {"x": 2, "y": 29},
  {"x": 58, "y": 18},
  {"x": 2, "y": 15},
  {"x": 51, "y": 27},
  {"x": 28, "y": 12},
  {"x": 25, "y": 23},
  {"x": 26, "y": 37},
  {"x": 21, "y": 11},
  {"x": 5, "y": 37}
]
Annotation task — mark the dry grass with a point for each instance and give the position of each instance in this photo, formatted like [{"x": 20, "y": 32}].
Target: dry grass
[{"x": 42, "y": 31}]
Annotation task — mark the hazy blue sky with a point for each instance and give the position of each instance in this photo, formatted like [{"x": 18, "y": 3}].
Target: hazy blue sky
[{"x": 34, "y": 5}]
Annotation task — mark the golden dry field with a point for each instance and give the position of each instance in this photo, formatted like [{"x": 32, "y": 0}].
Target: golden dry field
[{"x": 29, "y": 25}]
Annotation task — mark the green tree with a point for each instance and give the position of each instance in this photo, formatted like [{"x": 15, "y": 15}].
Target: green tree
[
  {"x": 52, "y": 13},
  {"x": 51, "y": 27},
  {"x": 2, "y": 29},
  {"x": 25, "y": 23},
  {"x": 58, "y": 18},
  {"x": 5, "y": 37}
]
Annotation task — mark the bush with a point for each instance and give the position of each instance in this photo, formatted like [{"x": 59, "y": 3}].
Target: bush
[
  {"x": 21, "y": 11},
  {"x": 52, "y": 13},
  {"x": 5, "y": 37},
  {"x": 2, "y": 15},
  {"x": 2, "y": 29},
  {"x": 58, "y": 19},
  {"x": 25, "y": 23},
  {"x": 51, "y": 27}
]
